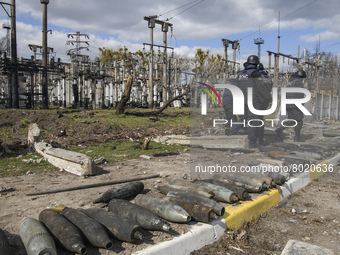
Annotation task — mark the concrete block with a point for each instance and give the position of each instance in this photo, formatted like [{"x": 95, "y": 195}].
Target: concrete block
[
  {"x": 73, "y": 162},
  {"x": 200, "y": 235},
  {"x": 294, "y": 247},
  {"x": 173, "y": 139},
  {"x": 70, "y": 161},
  {"x": 220, "y": 142}
]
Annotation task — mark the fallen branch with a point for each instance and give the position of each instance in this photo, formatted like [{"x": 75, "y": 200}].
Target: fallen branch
[
  {"x": 91, "y": 185},
  {"x": 170, "y": 101}
]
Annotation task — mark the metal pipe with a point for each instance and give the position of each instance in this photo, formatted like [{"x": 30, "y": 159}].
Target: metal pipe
[{"x": 91, "y": 185}]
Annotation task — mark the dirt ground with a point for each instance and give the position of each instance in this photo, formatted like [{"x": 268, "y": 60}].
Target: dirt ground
[
  {"x": 315, "y": 220},
  {"x": 15, "y": 205}
]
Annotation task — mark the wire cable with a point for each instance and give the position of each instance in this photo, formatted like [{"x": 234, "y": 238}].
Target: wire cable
[
  {"x": 280, "y": 19},
  {"x": 178, "y": 8},
  {"x": 186, "y": 9}
]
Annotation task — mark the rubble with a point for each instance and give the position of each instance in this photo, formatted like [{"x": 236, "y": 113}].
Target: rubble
[{"x": 70, "y": 161}]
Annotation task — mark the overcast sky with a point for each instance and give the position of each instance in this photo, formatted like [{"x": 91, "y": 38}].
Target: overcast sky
[{"x": 196, "y": 24}]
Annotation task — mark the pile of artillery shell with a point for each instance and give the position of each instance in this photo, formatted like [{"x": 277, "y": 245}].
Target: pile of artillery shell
[{"x": 63, "y": 231}]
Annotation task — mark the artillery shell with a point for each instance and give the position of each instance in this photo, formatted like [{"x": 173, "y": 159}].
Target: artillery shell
[
  {"x": 197, "y": 211},
  {"x": 36, "y": 238},
  {"x": 241, "y": 193},
  {"x": 221, "y": 193},
  {"x": 92, "y": 230},
  {"x": 123, "y": 191},
  {"x": 4, "y": 245},
  {"x": 63, "y": 231},
  {"x": 218, "y": 208},
  {"x": 277, "y": 178},
  {"x": 250, "y": 186},
  {"x": 166, "y": 188},
  {"x": 138, "y": 214},
  {"x": 189, "y": 184},
  {"x": 120, "y": 227},
  {"x": 163, "y": 208}
]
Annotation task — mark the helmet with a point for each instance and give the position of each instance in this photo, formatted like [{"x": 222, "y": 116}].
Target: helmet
[
  {"x": 301, "y": 73},
  {"x": 253, "y": 59},
  {"x": 261, "y": 67}
]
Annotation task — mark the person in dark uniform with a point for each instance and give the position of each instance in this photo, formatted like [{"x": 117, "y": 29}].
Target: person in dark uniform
[
  {"x": 293, "y": 112},
  {"x": 251, "y": 77},
  {"x": 268, "y": 83}
]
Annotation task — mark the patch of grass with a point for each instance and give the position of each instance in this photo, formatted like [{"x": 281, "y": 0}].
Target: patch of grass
[
  {"x": 14, "y": 166},
  {"x": 26, "y": 122},
  {"x": 120, "y": 151},
  {"x": 112, "y": 151}
]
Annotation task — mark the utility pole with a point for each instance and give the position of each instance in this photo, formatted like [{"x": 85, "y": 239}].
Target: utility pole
[
  {"x": 7, "y": 26},
  {"x": 258, "y": 42},
  {"x": 151, "y": 25},
  {"x": 44, "y": 56},
  {"x": 14, "y": 97},
  {"x": 76, "y": 59},
  {"x": 225, "y": 45},
  {"x": 12, "y": 74},
  {"x": 35, "y": 48},
  {"x": 152, "y": 21},
  {"x": 235, "y": 44},
  {"x": 165, "y": 28}
]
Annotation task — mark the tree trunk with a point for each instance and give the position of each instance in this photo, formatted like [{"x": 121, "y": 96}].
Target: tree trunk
[{"x": 125, "y": 98}]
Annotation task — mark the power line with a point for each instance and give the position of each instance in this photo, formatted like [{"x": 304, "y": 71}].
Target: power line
[
  {"x": 280, "y": 19},
  {"x": 178, "y": 8},
  {"x": 186, "y": 9},
  {"x": 329, "y": 46}
]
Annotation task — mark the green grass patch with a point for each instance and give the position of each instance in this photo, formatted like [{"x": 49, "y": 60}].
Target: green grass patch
[
  {"x": 15, "y": 166},
  {"x": 120, "y": 151}
]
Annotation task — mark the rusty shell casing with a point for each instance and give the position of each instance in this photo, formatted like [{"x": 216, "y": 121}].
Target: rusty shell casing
[
  {"x": 197, "y": 211},
  {"x": 261, "y": 182},
  {"x": 94, "y": 232},
  {"x": 167, "y": 188},
  {"x": 240, "y": 192},
  {"x": 123, "y": 191},
  {"x": 163, "y": 208},
  {"x": 259, "y": 178},
  {"x": 190, "y": 184},
  {"x": 138, "y": 214},
  {"x": 222, "y": 194},
  {"x": 249, "y": 185},
  {"x": 120, "y": 227},
  {"x": 277, "y": 178},
  {"x": 63, "y": 231},
  {"x": 217, "y": 207},
  {"x": 4, "y": 244},
  {"x": 36, "y": 239}
]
